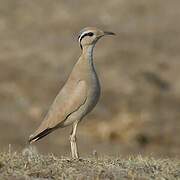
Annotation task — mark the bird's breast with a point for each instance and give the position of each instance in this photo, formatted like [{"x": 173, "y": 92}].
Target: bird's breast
[{"x": 94, "y": 91}]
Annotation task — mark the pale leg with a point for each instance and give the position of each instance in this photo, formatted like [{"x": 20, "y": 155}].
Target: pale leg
[{"x": 74, "y": 150}]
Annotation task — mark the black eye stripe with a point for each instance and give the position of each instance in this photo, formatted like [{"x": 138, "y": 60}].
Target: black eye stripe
[{"x": 86, "y": 34}]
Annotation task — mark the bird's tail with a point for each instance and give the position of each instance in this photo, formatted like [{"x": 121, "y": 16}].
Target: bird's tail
[{"x": 35, "y": 137}]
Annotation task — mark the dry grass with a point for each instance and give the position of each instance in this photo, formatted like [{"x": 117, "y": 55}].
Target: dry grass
[{"x": 31, "y": 165}]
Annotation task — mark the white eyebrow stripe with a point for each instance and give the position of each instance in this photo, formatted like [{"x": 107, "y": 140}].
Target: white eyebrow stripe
[{"x": 85, "y": 32}]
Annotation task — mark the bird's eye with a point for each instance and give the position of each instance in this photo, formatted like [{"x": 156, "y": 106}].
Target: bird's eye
[{"x": 90, "y": 34}]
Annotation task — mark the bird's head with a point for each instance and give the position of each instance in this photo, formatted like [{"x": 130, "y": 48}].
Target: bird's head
[{"x": 90, "y": 35}]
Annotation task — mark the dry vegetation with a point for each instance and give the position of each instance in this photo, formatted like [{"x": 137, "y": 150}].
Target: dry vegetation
[{"x": 29, "y": 165}]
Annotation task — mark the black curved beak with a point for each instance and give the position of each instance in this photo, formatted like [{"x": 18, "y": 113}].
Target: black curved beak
[{"x": 109, "y": 33}]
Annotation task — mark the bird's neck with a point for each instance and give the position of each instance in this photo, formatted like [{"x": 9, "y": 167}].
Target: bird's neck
[{"x": 87, "y": 53}]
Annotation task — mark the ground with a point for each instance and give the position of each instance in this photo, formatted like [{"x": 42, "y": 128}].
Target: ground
[
  {"x": 139, "y": 70},
  {"x": 29, "y": 165}
]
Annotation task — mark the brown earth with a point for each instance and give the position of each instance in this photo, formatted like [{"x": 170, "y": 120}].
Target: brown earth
[{"x": 139, "y": 71}]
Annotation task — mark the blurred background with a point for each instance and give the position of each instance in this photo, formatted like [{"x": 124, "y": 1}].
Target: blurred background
[{"x": 139, "y": 69}]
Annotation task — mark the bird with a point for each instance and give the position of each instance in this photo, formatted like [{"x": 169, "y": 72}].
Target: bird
[{"x": 78, "y": 96}]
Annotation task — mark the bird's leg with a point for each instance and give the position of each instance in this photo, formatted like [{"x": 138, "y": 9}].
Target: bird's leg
[{"x": 74, "y": 150}]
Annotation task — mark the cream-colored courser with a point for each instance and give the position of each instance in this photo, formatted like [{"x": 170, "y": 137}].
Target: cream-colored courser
[{"x": 78, "y": 96}]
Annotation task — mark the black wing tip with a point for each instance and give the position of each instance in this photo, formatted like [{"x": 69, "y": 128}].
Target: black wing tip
[
  {"x": 39, "y": 136},
  {"x": 32, "y": 139}
]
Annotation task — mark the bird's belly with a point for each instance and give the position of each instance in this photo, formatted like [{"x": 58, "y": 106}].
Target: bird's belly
[{"x": 75, "y": 116}]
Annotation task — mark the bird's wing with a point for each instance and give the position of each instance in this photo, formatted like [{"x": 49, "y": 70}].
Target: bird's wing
[{"x": 63, "y": 106}]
